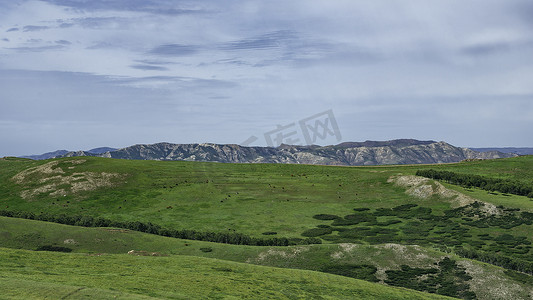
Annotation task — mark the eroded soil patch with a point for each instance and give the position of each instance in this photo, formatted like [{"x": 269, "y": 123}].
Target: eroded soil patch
[{"x": 52, "y": 179}]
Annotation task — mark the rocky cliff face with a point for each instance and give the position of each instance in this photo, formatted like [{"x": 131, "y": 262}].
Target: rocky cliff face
[{"x": 345, "y": 154}]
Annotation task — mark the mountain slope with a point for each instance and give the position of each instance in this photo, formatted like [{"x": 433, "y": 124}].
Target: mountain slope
[
  {"x": 46, "y": 155},
  {"x": 347, "y": 154}
]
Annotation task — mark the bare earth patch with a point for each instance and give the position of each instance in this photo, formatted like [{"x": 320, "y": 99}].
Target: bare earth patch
[
  {"x": 291, "y": 252},
  {"x": 56, "y": 182},
  {"x": 345, "y": 248},
  {"x": 145, "y": 253},
  {"x": 423, "y": 188},
  {"x": 500, "y": 286}
]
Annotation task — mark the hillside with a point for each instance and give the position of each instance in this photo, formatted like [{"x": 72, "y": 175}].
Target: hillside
[
  {"x": 345, "y": 154},
  {"x": 383, "y": 209},
  {"x": 58, "y": 275},
  {"x": 328, "y": 258}
]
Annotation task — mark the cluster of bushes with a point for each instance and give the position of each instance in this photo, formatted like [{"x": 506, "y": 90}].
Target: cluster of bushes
[
  {"x": 506, "y": 219},
  {"x": 446, "y": 278},
  {"x": 53, "y": 248},
  {"x": 520, "y": 277},
  {"x": 489, "y": 184},
  {"x": 417, "y": 225},
  {"x": 314, "y": 232},
  {"x": 147, "y": 227},
  {"x": 511, "y": 263}
]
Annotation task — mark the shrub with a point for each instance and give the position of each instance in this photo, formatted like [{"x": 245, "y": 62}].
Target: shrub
[
  {"x": 314, "y": 232},
  {"x": 326, "y": 217},
  {"x": 269, "y": 233},
  {"x": 53, "y": 248}
]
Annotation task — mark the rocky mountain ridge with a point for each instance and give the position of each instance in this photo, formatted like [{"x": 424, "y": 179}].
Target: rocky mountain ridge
[{"x": 405, "y": 151}]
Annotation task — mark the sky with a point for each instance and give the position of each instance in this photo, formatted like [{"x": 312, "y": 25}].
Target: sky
[{"x": 80, "y": 74}]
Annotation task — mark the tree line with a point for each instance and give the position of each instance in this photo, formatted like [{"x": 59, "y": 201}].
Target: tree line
[
  {"x": 148, "y": 227},
  {"x": 505, "y": 186}
]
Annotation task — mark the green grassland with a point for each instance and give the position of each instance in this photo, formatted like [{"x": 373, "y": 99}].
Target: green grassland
[
  {"x": 247, "y": 198},
  {"x": 28, "y": 274},
  {"x": 368, "y": 262},
  {"x": 340, "y": 205}
]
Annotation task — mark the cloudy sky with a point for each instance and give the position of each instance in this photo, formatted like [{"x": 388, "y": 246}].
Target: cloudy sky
[{"x": 79, "y": 74}]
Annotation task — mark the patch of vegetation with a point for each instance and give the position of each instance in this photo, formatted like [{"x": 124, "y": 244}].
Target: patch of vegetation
[
  {"x": 446, "y": 278},
  {"x": 489, "y": 184},
  {"x": 520, "y": 277},
  {"x": 452, "y": 230},
  {"x": 364, "y": 272},
  {"x": 269, "y": 233},
  {"x": 53, "y": 248},
  {"x": 88, "y": 221},
  {"x": 326, "y": 217},
  {"x": 314, "y": 232}
]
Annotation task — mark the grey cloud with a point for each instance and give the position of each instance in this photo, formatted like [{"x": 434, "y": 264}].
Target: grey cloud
[
  {"x": 37, "y": 49},
  {"x": 154, "y": 62},
  {"x": 151, "y": 6},
  {"x": 5, "y": 39},
  {"x": 233, "y": 61},
  {"x": 175, "y": 50},
  {"x": 485, "y": 49},
  {"x": 524, "y": 10},
  {"x": 179, "y": 81},
  {"x": 66, "y": 25},
  {"x": 282, "y": 46},
  {"x": 12, "y": 29},
  {"x": 63, "y": 42},
  {"x": 34, "y": 28},
  {"x": 100, "y": 22},
  {"x": 266, "y": 41},
  {"x": 102, "y": 45},
  {"x": 149, "y": 68}
]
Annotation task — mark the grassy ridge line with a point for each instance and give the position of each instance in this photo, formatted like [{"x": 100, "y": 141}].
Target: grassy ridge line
[{"x": 187, "y": 277}]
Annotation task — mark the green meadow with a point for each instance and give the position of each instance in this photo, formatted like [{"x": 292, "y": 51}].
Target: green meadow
[{"x": 383, "y": 230}]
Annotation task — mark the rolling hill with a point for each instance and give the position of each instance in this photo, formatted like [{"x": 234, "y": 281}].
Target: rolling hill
[{"x": 378, "y": 223}]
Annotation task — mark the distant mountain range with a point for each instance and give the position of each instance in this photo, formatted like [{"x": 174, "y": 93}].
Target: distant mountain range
[
  {"x": 403, "y": 151},
  {"x": 59, "y": 153},
  {"x": 515, "y": 150}
]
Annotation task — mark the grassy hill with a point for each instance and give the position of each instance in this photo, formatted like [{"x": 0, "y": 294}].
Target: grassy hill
[
  {"x": 28, "y": 274},
  {"x": 373, "y": 260},
  {"x": 380, "y": 208}
]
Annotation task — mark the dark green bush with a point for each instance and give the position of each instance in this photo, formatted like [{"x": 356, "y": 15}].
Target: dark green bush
[
  {"x": 326, "y": 217},
  {"x": 314, "y": 232},
  {"x": 53, "y": 248},
  {"x": 269, "y": 233}
]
